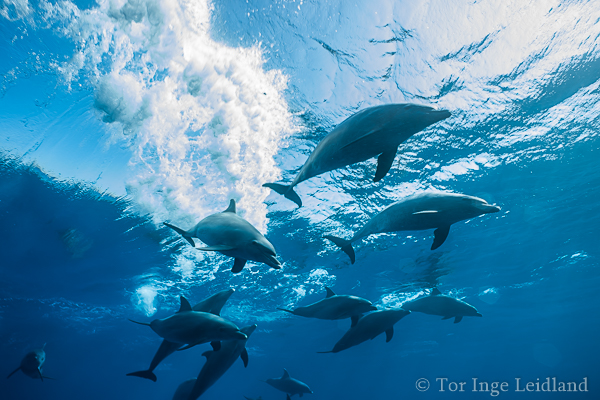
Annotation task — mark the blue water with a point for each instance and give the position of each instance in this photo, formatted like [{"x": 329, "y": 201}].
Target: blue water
[{"x": 116, "y": 116}]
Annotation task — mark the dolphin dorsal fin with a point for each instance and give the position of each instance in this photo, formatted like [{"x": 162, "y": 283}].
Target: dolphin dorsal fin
[
  {"x": 330, "y": 293},
  {"x": 231, "y": 207},
  {"x": 285, "y": 375},
  {"x": 435, "y": 292},
  {"x": 185, "y": 305}
]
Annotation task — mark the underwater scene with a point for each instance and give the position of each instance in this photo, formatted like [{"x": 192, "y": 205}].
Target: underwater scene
[{"x": 274, "y": 199}]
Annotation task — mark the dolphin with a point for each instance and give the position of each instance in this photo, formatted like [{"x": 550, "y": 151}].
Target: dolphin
[
  {"x": 212, "y": 305},
  {"x": 374, "y": 131},
  {"x": 438, "y": 304},
  {"x": 233, "y": 236},
  {"x": 335, "y": 306},
  {"x": 31, "y": 364},
  {"x": 369, "y": 327},
  {"x": 218, "y": 362},
  {"x": 289, "y": 385},
  {"x": 429, "y": 210},
  {"x": 194, "y": 327}
]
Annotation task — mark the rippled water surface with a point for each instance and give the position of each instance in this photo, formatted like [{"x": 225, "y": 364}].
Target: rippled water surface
[{"x": 116, "y": 116}]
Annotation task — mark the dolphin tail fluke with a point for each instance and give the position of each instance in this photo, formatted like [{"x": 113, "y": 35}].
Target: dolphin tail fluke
[
  {"x": 182, "y": 233},
  {"x": 286, "y": 310},
  {"x": 144, "y": 374},
  {"x": 345, "y": 245},
  {"x": 139, "y": 323},
  {"x": 286, "y": 190},
  {"x": 12, "y": 373}
]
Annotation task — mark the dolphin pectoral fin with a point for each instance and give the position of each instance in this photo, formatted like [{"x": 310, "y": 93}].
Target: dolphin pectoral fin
[
  {"x": 384, "y": 163},
  {"x": 144, "y": 374},
  {"x": 441, "y": 234},
  {"x": 238, "y": 265},
  {"x": 182, "y": 233},
  {"x": 446, "y": 318},
  {"x": 244, "y": 357},
  {"x": 189, "y": 346},
  {"x": 287, "y": 397},
  {"x": 219, "y": 247},
  {"x": 216, "y": 345},
  {"x": 139, "y": 323},
  {"x": 344, "y": 244},
  {"x": 40, "y": 375},
  {"x": 286, "y": 190},
  {"x": 354, "y": 320},
  {"x": 12, "y": 373},
  {"x": 286, "y": 310},
  {"x": 231, "y": 207},
  {"x": 458, "y": 318},
  {"x": 324, "y": 352},
  {"x": 47, "y": 377},
  {"x": 389, "y": 334}
]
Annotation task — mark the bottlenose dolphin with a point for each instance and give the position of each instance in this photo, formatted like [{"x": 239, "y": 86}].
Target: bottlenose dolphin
[
  {"x": 217, "y": 363},
  {"x": 194, "y": 327},
  {"x": 369, "y": 327},
  {"x": 438, "y": 304},
  {"x": 289, "y": 385},
  {"x": 233, "y": 236},
  {"x": 374, "y": 131},
  {"x": 429, "y": 210},
  {"x": 335, "y": 306},
  {"x": 212, "y": 305},
  {"x": 31, "y": 364}
]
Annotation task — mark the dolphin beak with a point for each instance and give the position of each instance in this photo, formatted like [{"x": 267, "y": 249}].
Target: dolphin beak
[
  {"x": 272, "y": 262},
  {"x": 439, "y": 115},
  {"x": 490, "y": 209},
  {"x": 478, "y": 315},
  {"x": 240, "y": 336}
]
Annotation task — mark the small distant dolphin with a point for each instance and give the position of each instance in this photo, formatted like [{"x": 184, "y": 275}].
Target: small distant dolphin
[
  {"x": 233, "y": 236},
  {"x": 374, "y": 131},
  {"x": 335, "y": 306},
  {"x": 429, "y": 210},
  {"x": 217, "y": 363},
  {"x": 31, "y": 364},
  {"x": 194, "y": 327},
  {"x": 438, "y": 304},
  {"x": 289, "y": 385},
  {"x": 212, "y": 305},
  {"x": 369, "y": 327}
]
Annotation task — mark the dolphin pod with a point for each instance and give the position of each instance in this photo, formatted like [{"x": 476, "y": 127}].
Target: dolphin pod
[
  {"x": 438, "y": 304},
  {"x": 31, "y": 364},
  {"x": 374, "y": 131},
  {"x": 233, "y": 236},
  {"x": 334, "y": 307},
  {"x": 429, "y": 210},
  {"x": 194, "y": 327},
  {"x": 212, "y": 305},
  {"x": 289, "y": 385},
  {"x": 369, "y": 327}
]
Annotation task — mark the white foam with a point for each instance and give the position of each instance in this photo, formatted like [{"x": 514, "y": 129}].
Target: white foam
[{"x": 144, "y": 299}]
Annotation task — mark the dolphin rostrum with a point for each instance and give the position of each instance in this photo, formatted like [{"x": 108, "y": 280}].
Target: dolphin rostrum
[
  {"x": 429, "y": 210},
  {"x": 438, "y": 304},
  {"x": 194, "y": 327},
  {"x": 212, "y": 305},
  {"x": 374, "y": 131},
  {"x": 335, "y": 307},
  {"x": 31, "y": 364},
  {"x": 369, "y": 327},
  {"x": 218, "y": 362},
  {"x": 289, "y": 385},
  {"x": 233, "y": 236}
]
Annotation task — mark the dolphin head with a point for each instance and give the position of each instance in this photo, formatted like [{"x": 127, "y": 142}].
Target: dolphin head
[
  {"x": 415, "y": 117},
  {"x": 483, "y": 206},
  {"x": 467, "y": 207},
  {"x": 231, "y": 333},
  {"x": 248, "y": 330},
  {"x": 263, "y": 251}
]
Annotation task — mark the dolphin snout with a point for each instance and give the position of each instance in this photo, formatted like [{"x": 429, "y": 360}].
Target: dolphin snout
[
  {"x": 490, "y": 209},
  {"x": 478, "y": 315},
  {"x": 239, "y": 336},
  {"x": 441, "y": 115}
]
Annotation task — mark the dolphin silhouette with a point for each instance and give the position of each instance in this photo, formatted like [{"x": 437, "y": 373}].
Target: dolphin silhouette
[
  {"x": 218, "y": 362},
  {"x": 438, "y": 304},
  {"x": 334, "y": 307},
  {"x": 31, "y": 364},
  {"x": 212, "y": 305},
  {"x": 429, "y": 210},
  {"x": 374, "y": 131},
  {"x": 194, "y": 327},
  {"x": 289, "y": 385},
  {"x": 369, "y": 327},
  {"x": 233, "y": 236}
]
